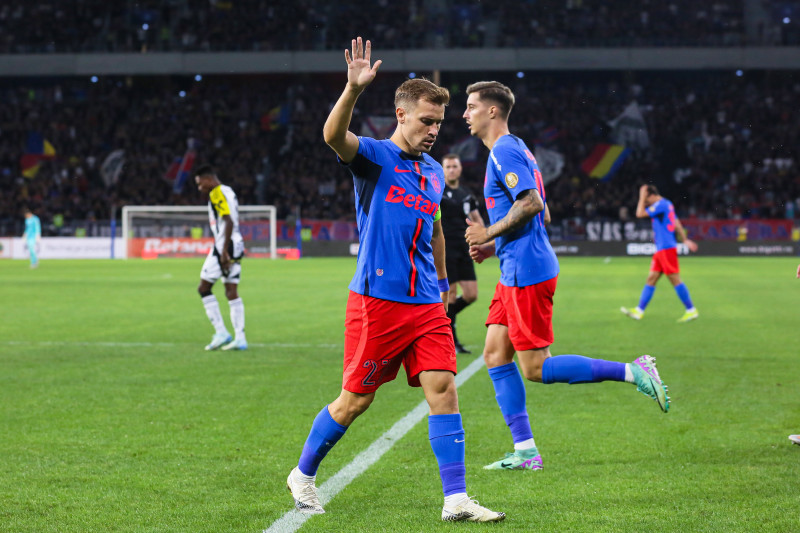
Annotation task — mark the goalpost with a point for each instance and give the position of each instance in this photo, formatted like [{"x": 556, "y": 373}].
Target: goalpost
[{"x": 181, "y": 231}]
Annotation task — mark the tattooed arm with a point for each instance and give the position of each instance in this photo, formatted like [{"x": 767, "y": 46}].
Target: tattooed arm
[{"x": 528, "y": 205}]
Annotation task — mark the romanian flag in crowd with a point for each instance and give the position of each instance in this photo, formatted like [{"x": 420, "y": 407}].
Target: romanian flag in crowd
[
  {"x": 179, "y": 170},
  {"x": 275, "y": 118},
  {"x": 36, "y": 149},
  {"x": 604, "y": 161}
]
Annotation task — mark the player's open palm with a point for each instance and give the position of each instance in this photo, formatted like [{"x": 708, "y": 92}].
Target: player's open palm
[{"x": 359, "y": 72}]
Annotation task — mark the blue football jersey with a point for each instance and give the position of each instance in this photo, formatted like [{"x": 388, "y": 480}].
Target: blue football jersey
[
  {"x": 526, "y": 257},
  {"x": 662, "y": 215},
  {"x": 397, "y": 197}
]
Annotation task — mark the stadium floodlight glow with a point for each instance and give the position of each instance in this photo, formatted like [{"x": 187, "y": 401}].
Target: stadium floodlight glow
[
  {"x": 520, "y": 74},
  {"x": 786, "y": 20},
  {"x": 145, "y": 26},
  {"x": 94, "y": 79},
  {"x": 182, "y": 94},
  {"x": 198, "y": 77},
  {"x": 412, "y": 75},
  {"x": 739, "y": 73}
]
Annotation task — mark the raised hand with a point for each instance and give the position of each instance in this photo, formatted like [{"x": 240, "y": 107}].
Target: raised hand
[{"x": 359, "y": 72}]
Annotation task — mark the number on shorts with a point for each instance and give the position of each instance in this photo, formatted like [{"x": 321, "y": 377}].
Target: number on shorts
[{"x": 373, "y": 367}]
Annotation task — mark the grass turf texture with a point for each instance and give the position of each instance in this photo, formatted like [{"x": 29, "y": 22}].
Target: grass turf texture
[{"x": 113, "y": 418}]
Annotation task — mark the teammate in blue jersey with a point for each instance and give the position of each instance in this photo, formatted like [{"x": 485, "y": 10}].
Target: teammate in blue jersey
[
  {"x": 667, "y": 232},
  {"x": 32, "y": 236},
  {"x": 520, "y": 314},
  {"x": 396, "y": 312}
]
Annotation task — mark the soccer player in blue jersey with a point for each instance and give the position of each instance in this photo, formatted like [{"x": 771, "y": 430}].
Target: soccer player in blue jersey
[
  {"x": 520, "y": 314},
  {"x": 667, "y": 232},
  {"x": 396, "y": 312},
  {"x": 32, "y": 236}
]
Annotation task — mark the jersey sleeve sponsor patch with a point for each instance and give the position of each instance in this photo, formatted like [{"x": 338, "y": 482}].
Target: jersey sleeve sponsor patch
[{"x": 512, "y": 179}]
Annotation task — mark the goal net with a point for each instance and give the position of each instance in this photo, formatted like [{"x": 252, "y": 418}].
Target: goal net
[{"x": 152, "y": 231}]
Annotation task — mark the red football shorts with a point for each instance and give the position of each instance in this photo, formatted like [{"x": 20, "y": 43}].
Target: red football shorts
[
  {"x": 380, "y": 335},
  {"x": 665, "y": 261},
  {"x": 527, "y": 312}
]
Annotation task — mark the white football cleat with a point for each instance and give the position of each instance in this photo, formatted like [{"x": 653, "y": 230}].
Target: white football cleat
[
  {"x": 218, "y": 340},
  {"x": 470, "y": 511},
  {"x": 236, "y": 344},
  {"x": 304, "y": 494}
]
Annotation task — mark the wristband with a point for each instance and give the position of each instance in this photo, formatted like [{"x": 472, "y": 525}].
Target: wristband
[{"x": 444, "y": 285}]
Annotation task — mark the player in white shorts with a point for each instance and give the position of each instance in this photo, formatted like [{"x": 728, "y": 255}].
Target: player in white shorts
[{"x": 223, "y": 261}]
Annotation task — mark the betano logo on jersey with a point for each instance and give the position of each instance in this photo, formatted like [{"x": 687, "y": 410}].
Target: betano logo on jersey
[{"x": 397, "y": 195}]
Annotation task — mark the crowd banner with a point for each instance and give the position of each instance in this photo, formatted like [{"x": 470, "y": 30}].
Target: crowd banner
[{"x": 629, "y": 128}]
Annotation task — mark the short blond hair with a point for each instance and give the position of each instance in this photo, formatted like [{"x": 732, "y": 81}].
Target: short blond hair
[{"x": 412, "y": 91}]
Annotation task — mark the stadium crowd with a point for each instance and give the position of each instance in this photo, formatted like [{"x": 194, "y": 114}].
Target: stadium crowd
[
  {"x": 46, "y": 26},
  {"x": 720, "y": 146}
]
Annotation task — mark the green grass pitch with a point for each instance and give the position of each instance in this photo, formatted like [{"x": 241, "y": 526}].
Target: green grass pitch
[{"x": 114, "y": 418}]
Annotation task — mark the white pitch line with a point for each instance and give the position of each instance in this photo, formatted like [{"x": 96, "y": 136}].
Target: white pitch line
[
  {"x": 113, "y": 344},
  {"x": 294, "y": 519}
]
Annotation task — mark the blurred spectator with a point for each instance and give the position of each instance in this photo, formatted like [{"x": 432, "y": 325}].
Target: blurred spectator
[
  {"x": 46, "y": 26},
  {"x": 722, "y": 146}
]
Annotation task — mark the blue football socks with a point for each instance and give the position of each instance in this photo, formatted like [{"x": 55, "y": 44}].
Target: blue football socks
[
  {"x": 325, "y": 433},
  {"x": 647, "y": 294},
  {"x": 509, "y": 390},
  {"x": 683, "y": 294},
  {"x": 579, "y": 369},
  {"x": 446, "y": 434}
]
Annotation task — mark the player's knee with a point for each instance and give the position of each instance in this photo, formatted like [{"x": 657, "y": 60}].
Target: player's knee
[
  {"x": 494, "y": 358},
  {"x": 533, "y": 373},
  {"x": 470, "y": 298},
  {"x": 532, "y": 363},
  {"x": 353, "y": 409},
  {"x": 203, "y": 291},
  {"x": 347, "y": 408}
]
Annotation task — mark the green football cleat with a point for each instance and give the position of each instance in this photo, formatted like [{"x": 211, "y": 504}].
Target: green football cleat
[
  {"x": 645, "y": 375},
  {"x": 689, "y": 315},
  {"x": 517, "y": 460},
  {"x": 634, "y": 313}
]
